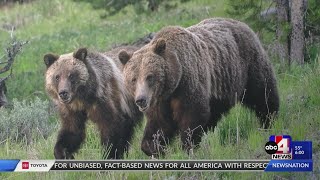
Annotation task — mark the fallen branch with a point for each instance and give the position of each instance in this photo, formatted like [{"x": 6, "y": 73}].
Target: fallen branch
[{"x": 12, "y": 51}]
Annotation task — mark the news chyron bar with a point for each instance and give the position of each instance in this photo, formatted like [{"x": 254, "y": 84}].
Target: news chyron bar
[
  {"x": 286, "y": 155},
  {"x": 133, "y": 165}
]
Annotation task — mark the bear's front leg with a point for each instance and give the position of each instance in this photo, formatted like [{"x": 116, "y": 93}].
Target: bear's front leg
[
  {"x": 192, "y": 122},
  {"x": 71, "y": 135},
  {"x": 159, "y": 130}
]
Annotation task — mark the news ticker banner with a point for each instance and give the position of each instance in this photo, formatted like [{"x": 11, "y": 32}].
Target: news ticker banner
[
  {"x": 286, "y": 156},
  {"x": 155, "y": 165}
]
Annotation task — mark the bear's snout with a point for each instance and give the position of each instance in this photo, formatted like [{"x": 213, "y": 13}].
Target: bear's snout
[
  {"x": 142, "y": 102},
  {"x": 64, "y": 95}
]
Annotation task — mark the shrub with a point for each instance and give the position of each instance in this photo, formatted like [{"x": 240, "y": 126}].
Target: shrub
[{"x": 25, "y": 121}]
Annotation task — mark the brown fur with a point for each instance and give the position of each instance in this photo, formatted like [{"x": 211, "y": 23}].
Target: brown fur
[
  {"x": 128, "y": 47},
  {"x": 89, "y": 85},
  {"x": 186, "y": 78}
]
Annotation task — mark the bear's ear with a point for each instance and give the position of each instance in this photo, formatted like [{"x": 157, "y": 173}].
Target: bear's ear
[
  {"x": 81, "y": 54},
  {"x": 49, "y": 59},
  {"x": 160, "y": 46},
  {"x": 124, "y": 56}
]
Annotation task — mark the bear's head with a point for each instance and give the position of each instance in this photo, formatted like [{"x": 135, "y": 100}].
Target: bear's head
[
  {"x": 66, "y": 75},
  {"x": 151, "y": 73}
]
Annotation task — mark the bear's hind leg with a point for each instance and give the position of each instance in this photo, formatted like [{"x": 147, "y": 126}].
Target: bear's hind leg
[
  {"x": 112, "y": 148},
  {"x": 115, "y": 139},
  {"x": 217, "y": 108},
  {"x": 115, "y": 133},
  {"x": 262, "y": 97}
]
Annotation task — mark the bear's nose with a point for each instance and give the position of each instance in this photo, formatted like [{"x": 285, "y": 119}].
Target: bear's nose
[
  {"x": 64, "y": 95},
  {"x": 141, "y": 101}
]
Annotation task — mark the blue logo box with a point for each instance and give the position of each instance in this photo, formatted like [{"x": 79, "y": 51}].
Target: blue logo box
[{"x": 301, "y": 149}]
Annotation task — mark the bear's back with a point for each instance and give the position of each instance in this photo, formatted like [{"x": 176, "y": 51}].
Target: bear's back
[
  {"x": 247, "y": 42},
  {"x": 210, "y": 54}
]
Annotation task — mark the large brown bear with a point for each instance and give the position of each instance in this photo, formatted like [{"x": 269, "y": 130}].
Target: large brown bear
[
  {"x": 87, "y": 84},
  {"x": 186, "y": 78}
]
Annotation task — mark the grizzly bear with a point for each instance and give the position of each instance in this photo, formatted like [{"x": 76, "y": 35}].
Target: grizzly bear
[
  {"x": 89, "y": 85},
  {"x": 185, "y": 79}
]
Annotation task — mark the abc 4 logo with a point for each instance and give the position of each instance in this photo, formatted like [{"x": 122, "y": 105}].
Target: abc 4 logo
[{"x": 279, "y": 145}]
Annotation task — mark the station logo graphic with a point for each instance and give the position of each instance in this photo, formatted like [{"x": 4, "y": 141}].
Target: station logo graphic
[{"x": 279, "y": 147}]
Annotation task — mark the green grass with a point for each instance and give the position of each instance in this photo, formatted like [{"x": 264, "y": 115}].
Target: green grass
[{"x": 62, "y": 26}]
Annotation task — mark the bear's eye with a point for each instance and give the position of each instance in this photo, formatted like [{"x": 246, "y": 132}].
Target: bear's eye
[
  {"x": 133, "y": 80},
  {"x": 150, "y": 78},
  {"x": 57, "y": 77},
  {"x": 71, "y": 77}
]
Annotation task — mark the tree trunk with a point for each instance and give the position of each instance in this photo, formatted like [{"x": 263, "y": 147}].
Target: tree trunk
[
  {"x": 297, "y": 35},
  {"x": 282, "y": 39},
  {"x": 153, "y": 5}
]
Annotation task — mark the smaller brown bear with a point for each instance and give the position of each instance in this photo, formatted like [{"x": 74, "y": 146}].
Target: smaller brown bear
[
  {"x": 84, "y": 85},
  {"x": 187, "y": 78}
]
